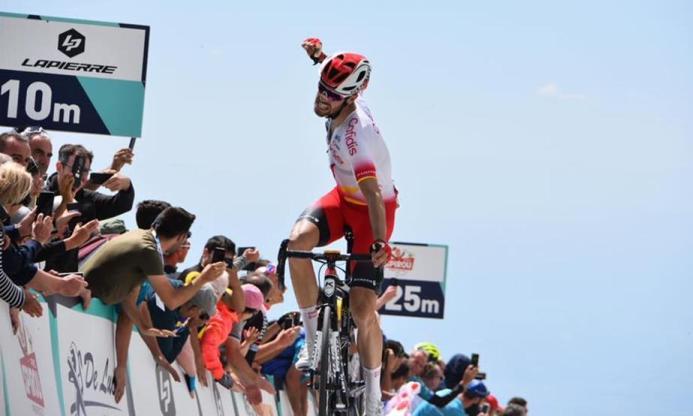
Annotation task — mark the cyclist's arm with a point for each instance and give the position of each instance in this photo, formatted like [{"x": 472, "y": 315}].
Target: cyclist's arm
[{"x": 376, "y": 207}]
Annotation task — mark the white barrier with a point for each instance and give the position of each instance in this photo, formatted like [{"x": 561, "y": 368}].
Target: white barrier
[{"x": 63, "y": 364}]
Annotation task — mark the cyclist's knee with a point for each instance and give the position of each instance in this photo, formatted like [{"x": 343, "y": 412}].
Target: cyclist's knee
[
  {"x": 362, "y": 305},
  {"x": 304, "y": 236}
]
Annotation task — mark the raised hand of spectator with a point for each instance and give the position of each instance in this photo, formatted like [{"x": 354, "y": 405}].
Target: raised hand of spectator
[
  {"x": 31, "y": 304},
  {"x": 63, "y": 221},
  {"x": 41, "y": 229},
  {"x": 266, "y": 386},
  {"x": 26, "y": 224},
  {"x": 72, "y": 285},
  {"x": 287, "y": 336},
  {"x": 251, "y": 255},
  {"x": 120, "y": 378},
  {"x": 14, "y": 320},
  {"x": 391, "y": 361},
  {"x": 251, "y": 335},
  {"x": 253, "y": 393},
  {"x": 313, "y": 47},
  {"x": 212, "y": 271},
  {"x": 65, "y": 184},
  {"x": 158, "y": 333},
  {"x": 81, "y": 234},
  {"x": 121, "y": 158},
  {"x": 161, "y": 361},
  {"x": 117, "y": 183},
  {"x": 469, "y": 373},
  {"x": 201, "y": 372}
]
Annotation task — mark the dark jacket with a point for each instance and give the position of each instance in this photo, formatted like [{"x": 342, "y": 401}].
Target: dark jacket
[{"x": 92, "y": 205}]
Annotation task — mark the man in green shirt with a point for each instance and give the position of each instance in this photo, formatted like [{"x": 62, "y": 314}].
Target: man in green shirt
[{"x": 118, "y": 271}]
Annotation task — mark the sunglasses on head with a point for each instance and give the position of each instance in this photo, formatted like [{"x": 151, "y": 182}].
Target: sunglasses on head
[{"x": 331, "y": 95}]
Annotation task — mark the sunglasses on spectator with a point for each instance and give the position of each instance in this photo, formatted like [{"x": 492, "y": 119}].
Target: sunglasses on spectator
[{"x": 331, "y": 95}]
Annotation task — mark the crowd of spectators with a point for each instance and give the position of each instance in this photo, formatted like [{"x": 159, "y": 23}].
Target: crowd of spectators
[{"x": 61, "y": 235}]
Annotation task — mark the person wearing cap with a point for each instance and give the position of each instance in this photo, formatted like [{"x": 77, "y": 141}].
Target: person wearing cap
[
  {"x": 183, "y": 321},
  {"x": 459, "y": 377},
  {"x": 216, "y": 334},
  {"x": 466, "y": 403}
]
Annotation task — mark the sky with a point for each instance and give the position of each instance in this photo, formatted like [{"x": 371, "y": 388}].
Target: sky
[{"x": 548, "y": 144}]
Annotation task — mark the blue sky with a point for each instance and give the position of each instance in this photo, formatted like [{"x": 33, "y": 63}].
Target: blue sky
[{"x": 549, "y": 145}]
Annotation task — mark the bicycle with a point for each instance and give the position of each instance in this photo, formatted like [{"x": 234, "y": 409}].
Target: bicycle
[{"x": 339, "y": 392}]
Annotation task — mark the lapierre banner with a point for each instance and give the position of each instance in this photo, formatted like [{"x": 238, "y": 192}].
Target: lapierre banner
[
  {"x": 63, "y": 364},
  {"x": 72, "y": 75},
  {"x": 419, "y": 272}
]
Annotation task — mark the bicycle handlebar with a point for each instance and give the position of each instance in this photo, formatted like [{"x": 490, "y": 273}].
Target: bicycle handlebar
[{"x": 329, "y": 256}]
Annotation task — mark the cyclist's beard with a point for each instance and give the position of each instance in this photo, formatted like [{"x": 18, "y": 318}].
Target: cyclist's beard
[{"x": 327, "y": 114}]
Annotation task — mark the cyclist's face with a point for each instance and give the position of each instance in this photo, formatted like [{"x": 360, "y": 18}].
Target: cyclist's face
[{"x": 326, "y": 103}]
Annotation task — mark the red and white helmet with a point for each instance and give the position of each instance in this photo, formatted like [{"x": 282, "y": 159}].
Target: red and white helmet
[{"x": 345, "y": 73}]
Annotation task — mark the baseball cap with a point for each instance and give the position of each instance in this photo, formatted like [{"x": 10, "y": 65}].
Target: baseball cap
[
  {"x": 253, "y": 297},
  {"x": 205, "y": 299},
  {"x": 477, "y": 389},
  {"x": 454, "y": 369},
  {"x": 493, "y": 402}
]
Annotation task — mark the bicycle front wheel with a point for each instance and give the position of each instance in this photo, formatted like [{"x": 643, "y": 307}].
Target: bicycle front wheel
[{"x": 325, "y": 363}]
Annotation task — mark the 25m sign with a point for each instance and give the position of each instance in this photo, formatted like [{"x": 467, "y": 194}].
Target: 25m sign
[
  {"x": 72, "y": 75},
  {"x": 419, "y": 272}
]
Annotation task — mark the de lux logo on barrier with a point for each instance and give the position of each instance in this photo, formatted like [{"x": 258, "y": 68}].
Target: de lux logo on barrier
[{"x": 71, "y": 43}]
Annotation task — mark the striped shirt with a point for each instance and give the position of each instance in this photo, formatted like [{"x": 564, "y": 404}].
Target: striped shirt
[{"x": 9, "y": 292}]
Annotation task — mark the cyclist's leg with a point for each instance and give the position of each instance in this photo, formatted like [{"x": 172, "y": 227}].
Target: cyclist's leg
[
  {"x": 319, "y": 225},
  {"x": 365, "y": 286}
]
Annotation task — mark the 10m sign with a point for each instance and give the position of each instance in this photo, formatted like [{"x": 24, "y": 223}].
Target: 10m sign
[{"x": 39, "y": 103}]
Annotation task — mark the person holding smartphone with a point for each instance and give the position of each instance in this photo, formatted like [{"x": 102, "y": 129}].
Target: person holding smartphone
[{"x": 73, "y": 168}]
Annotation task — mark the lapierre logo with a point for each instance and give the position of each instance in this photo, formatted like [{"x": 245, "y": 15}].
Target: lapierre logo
[
  {"x": 88, "y": 386},
  {"x": 29, "y": 366},
  {"x": 71, "y": 43},
  {"x": 165, "y": 389},
  {"x": 402, "y": 261}
]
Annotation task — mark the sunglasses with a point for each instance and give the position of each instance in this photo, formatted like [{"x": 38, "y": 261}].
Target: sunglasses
[
  {"x": 204, "y": 316},
  {"x": 331, "y": 95}
]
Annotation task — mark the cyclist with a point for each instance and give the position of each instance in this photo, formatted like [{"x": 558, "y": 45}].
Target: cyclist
[{"x": 364, "y": 200}]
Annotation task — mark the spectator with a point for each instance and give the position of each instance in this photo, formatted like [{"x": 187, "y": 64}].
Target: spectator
[
  {"x": 184, "y": 321},
  {"x": 215, "y": 335},
  {"x": 15, "y": 184},
  {"x": 465, "y": 404},
  {"x": 14, "y": 295},
  {"x": 92, "y": 205},
  {"x": 147, "y": 211},
  {"x": 417, "y": 362},
  {"x": 520, "y": 402},
  {"x": 41, "y": 147},
  {"x": 15, "y": 146},
  {"x": 400, "y": 376},
  {"x": 494, "y": 408},
  {"x": 513, "y": 409},
  {"x": 116, "y": 272},
  {"x": 120, "y": 158},
  {"x": 432, "y": 376},
  {"x": 458, "y": 374}
]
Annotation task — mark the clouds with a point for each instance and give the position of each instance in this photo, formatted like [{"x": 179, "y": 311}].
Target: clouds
[{"x": 551, "y": 90}]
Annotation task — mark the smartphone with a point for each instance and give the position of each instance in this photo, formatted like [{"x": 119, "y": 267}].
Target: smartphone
[
  {"x": 241, "y": 250},
  {"x": 77, "y": 167},
  {"x": 98, "y": 178},
  {"x": 480, "y": 376},
  {"x": 67, "y": 274},
  {"x": 131, "y": 146},
  {"x": 219, "y": 254},
  {"x": 475, "y": 359},
  {"x": 73, "y": 206},
  {"x": 44, "y": 203},
  {"x": 485, "y": 408}
]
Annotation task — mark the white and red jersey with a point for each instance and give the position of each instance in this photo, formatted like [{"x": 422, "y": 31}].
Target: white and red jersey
[{"x": 357, "y": 152}]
